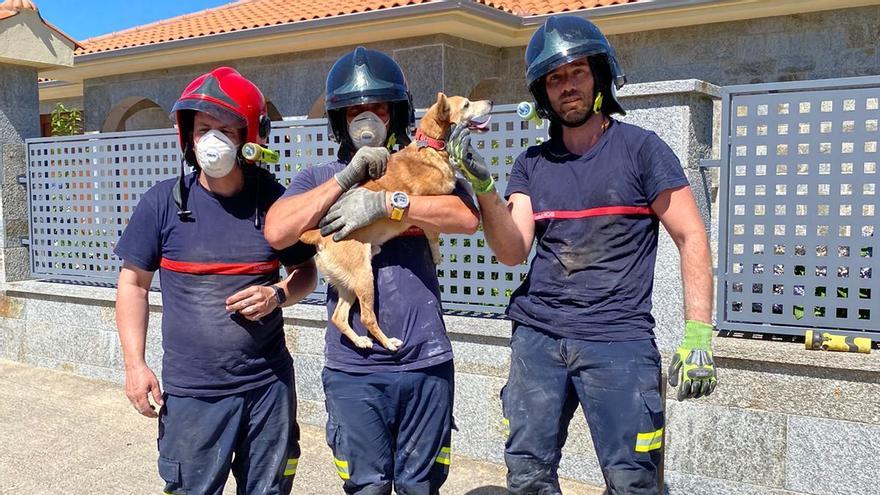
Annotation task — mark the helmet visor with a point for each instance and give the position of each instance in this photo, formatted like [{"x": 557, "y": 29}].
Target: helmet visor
[
  {"x": 348, "y": 99},
  {"x": 553, "y": 59},
  {"x": 219, "y": 112}
]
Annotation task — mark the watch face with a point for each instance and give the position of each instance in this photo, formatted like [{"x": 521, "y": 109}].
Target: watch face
[{"x": 399, "y": 200}]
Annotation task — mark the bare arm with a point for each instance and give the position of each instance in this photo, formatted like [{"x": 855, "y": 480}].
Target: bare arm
[
  {"x": 257, "y": 301},
  {"x": 448, "y": 214},
  {"x": 510, "y": 228},
  {"x": 289, "y": 217},
  {"x": 300, "y": 281},
  {"x": 678, "y": 212},
  {"x": 132, "y": 317}
]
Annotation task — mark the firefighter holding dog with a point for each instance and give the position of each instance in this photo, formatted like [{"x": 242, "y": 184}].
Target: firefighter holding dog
[
  {"x": 229, "y": 401},
  {"x": 592, "y": 198},
  {"x": 389, "y": 413}
]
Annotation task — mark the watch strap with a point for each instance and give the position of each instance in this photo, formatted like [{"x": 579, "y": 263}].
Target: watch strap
[{"x": 280, "y": 295}]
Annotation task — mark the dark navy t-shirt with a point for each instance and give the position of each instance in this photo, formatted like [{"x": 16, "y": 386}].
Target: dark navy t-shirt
[
  {"x": 593, "y": 270},
  {"x": 207, "y": 350},
  {"x": 407, "y": 301}
]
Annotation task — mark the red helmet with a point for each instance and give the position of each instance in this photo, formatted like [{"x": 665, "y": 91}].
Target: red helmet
[{"x": 225, "y": 95}]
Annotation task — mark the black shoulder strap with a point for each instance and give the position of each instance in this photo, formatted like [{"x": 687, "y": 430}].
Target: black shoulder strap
[{"x": 180, "y": 192}]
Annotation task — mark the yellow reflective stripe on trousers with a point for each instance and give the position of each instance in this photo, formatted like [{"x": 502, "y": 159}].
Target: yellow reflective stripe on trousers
[
  {"x": 445, "y": 456},
  {"x": 341, "y": 468},
  {"x": 506, "y": 427},
  {"x": 290, "y": 470},
  {"x": 646, "y": 442}
]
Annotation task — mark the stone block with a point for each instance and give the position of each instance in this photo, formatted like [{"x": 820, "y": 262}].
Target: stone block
[
  {"x": 499, "y": 329},
  {"x": 19, "y": 103},
  {"x": 579, "y": 459},
  {"x": 481, "y": 359},
  {"x": 113, "y": 375},
  {"x": 754, "y": 439},
  {"x": 13, "y": 162},
  {"x": 424, "y": 70},
  {"x": 60, "y": 313},
  {"x": 311, "y": 412},
  {"x": 12, "y": 332},
  {"x": 471, "y": 404},
  {"x": 780, "y": 388},
  {"x": 74, "y": 344},
  {"x": 467, "y": 67},
  {"x": 15, "y": 264},
  {"x": 494, "y": 418},
  {"x": 310, "y": 341},
  {"x": 12, "y": 307},
  {"x": 308, "y": 376},
  {"x": 581, "y": 467},
  {"x": 667, "y": 299},
  {"x": 689, "y": 484},
  {"x": 827, "y": 456}
]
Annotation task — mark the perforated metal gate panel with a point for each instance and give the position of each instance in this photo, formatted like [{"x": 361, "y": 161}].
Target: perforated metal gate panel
[
  {"x": 798, "y": 224},
  {"x": 83, "y": 189}
]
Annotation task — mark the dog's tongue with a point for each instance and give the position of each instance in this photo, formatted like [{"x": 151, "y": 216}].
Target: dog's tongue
[{"x": 477, "y": 124}]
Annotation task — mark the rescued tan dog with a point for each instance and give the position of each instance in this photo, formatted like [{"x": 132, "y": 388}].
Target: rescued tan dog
[{"x": 415, "y": 170}]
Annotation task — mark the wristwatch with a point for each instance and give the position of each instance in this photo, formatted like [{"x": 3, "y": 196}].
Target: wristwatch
[
  {"x": 399, "y": 204},
  {"x": 280, "y": 296}
]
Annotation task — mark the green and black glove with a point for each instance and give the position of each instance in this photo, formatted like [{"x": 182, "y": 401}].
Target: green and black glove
[
  {"x": 692, "y": 365},
  {"x": 466, "y": 159}
]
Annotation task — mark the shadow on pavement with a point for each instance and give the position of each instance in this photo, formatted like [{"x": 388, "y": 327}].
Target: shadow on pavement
[{"x": 488, "y": 490}]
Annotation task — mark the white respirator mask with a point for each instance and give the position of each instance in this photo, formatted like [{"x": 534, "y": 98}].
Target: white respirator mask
[
  {"x": 367, "y": 129},
  {"x": 215, "y": 153}
]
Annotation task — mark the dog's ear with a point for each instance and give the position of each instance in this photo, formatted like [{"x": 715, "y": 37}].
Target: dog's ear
[{"x": 442, "y": 106}]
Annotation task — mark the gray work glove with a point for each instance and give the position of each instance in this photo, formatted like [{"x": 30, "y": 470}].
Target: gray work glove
[
  {"x": 355, "y": 209},
  {"x": 367, "y": 163},
  {"x": 471, "y": 165}
]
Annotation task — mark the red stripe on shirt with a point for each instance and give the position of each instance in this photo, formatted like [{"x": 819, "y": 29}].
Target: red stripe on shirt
[
  {"x": 413, "y": 231},
  {"x": 594, "y": 212},
  {"x": 196, "y": 268}
]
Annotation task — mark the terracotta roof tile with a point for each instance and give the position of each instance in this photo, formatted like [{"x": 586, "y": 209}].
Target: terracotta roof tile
[
  {"x": 250, "y": 14},
  {"x": 539, "y": 7}
]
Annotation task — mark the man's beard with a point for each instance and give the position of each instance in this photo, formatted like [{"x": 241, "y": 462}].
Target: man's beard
[{"x": 575, "y": 121}]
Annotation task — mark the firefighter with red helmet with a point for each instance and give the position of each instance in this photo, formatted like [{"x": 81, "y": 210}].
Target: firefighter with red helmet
[{"x": 229, "y": 401}]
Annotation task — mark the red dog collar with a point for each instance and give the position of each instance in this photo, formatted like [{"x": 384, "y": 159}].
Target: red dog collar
[{"x": 425, "y": 141}]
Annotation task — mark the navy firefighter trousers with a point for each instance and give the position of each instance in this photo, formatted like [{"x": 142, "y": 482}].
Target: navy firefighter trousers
[
  {"x": 618, "y": 385},
  {"x": 390, "y": 429}
]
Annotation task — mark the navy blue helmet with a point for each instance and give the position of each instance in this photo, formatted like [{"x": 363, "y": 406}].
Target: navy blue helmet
[
  {"x": 566, "y": 38},
  {"x": 367, "y": 76}
]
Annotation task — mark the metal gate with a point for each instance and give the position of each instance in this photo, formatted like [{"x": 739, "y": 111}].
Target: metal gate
[
  {"x": 797, "y": 223},
  {"x": 82, "y": 190}
]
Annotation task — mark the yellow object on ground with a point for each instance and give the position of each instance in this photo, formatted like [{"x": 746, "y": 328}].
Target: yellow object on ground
[{"x": 826, "y": 341}]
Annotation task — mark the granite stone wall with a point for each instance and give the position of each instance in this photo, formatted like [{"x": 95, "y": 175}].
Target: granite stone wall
[
  {"x": 293, "y": 82},
  {"x": 19, "y": 120},
  {"x": 816, "y": 45},
  {"x": 784, "y": 420}
]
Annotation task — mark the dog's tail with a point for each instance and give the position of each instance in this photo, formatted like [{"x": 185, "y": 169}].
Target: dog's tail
[{"x": 312, "y": 237}]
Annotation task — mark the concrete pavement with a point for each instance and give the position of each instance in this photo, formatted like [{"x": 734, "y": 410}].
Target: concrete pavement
[{"x": 63, "y": 434}]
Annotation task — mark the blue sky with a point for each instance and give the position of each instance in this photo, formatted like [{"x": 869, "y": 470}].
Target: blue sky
[{"x": 81, "y": 19}]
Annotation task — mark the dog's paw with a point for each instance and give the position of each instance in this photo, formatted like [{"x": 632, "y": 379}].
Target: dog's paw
[
  {"x": 363, "y": 342},
  {"x": 437, "y": 259},
  {"x": 394, "y": 344}
]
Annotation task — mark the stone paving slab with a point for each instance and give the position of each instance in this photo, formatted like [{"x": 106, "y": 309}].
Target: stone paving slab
[{"x": 63, "y": 434}]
